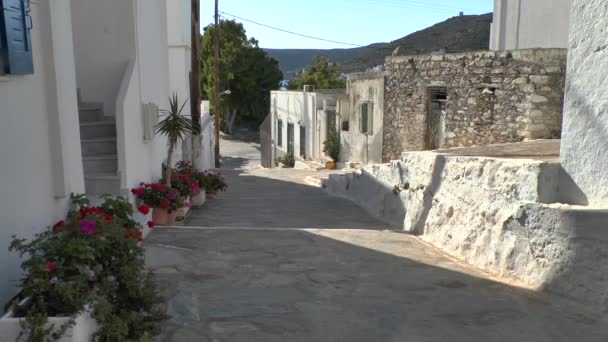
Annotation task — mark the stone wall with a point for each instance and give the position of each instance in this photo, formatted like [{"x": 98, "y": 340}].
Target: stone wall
[
  {"x": 495, "y": 214},
  {"x": 492, "y": 97}
]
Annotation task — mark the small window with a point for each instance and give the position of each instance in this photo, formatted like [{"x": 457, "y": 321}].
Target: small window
[
  {"x": 345, "y": 126},
  {"x": 280, "y": 133},
  {"x": 15, "y": 39},
  {"x": 366, "y": 123}
]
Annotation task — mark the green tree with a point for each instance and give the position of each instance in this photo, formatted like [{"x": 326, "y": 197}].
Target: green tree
[
  {"x": 322, "y": 75},
  {"x": 245, "y": 69}
]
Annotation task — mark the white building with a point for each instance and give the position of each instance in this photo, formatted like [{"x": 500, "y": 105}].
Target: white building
[
  {"x": 301, "y": 120},
  {"x": 362, "y": 126},
  {"x": 527, "y": 24},
  {"x": 53, "y": 142}
]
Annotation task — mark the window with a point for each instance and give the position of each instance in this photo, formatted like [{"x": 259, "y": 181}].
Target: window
[
  {"x": 366, "y": 123},
  {"x": 280, "y": 133},
  {"x": 15, "y": 43}
]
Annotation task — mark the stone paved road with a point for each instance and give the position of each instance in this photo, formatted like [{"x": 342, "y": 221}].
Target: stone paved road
[{"x": 243, "y": 270}]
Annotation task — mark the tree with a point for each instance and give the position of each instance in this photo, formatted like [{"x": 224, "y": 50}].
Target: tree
[
  {"x": 322, "y": 75},
  {"x": 246, "y": 70}
]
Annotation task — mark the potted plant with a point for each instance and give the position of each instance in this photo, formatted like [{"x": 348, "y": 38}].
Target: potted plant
[
  {"x": 197, "y": 196},
  {"x": 214, "y": 183},
  {"x": 175, "y": 127},
  {"x": 163, "y": 200},
  {"x": 185, "y": 187},
  {"x": 331, "y": 147},
  {"x": 85, "y": 279},
  {"x": 288, "y": 160}
]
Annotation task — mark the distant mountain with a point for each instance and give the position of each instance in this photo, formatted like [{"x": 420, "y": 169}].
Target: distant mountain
[{"x": 462, "y": 33}]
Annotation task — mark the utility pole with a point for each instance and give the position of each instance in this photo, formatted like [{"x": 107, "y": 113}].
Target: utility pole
[
  {"x": 216, "y": 86},
  {"x": 195, "y": 82}
]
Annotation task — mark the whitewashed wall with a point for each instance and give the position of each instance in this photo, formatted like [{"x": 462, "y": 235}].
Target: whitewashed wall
[
  {"x": 362, "y": 148},
  {"x": 525, "y": 24},
  {"x": 104, "y": 38},
  {"x": 180, "y": 61},
  {"x": 39, "y": 137},
  {"x": 297, "y": 108}
]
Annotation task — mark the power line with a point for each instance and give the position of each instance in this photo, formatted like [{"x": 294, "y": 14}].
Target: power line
[{"x": 290, "y": 32}]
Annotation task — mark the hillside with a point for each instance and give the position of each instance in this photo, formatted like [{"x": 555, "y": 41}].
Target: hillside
[{"x": 462, "y": 33}]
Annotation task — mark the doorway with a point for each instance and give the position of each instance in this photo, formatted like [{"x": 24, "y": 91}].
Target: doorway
[
  {"x": 290, "y": 139},
  {"x": 303, "y": 142},
  {"x": 437, "y": 106}
]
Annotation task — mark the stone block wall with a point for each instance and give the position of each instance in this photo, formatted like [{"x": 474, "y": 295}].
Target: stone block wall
[{"x": 492, "y": 97}]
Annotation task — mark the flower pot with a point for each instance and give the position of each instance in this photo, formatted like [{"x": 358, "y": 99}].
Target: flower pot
[
  {"x": 198, "y": 200},
  {"x": 330, "y": 165},
  {"x": 161, "y": 216},
  {"x": 83, "y": 330},
  {"x": 184, "y": 210},
  {"x": 172, "y": 216}
]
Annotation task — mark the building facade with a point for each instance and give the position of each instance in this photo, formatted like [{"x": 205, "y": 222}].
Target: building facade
[
  {"x": 477, "y": 98},
  {"x": 80, "y": 87},
  {"x": 362, "y": 120},
  {"x": 529, "y": 24}
]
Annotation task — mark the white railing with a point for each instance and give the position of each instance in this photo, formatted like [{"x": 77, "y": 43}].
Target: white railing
[{"x": 123, "y": 106}]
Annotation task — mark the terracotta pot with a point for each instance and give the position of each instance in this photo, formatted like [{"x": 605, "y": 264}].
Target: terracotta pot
[
  {"x": 172, "y": 216},
  {"x": 184, "y": 210},
  {"x": 161, "y": 216},
  {"x": 330, "y": 165},
  {"x": 198, "y": 200}
]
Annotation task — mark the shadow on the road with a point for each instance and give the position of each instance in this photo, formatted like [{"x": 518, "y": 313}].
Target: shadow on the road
[
  {"x": 254, "y": 201},
  {"x": 252, "y": 285}
]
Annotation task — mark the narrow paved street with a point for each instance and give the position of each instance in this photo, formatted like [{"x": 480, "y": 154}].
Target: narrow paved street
[{"x": 274, "y": 259}]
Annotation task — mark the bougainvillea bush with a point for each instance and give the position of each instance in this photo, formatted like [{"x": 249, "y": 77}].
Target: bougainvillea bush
[
  {"x": 158, "y": 195},
  {"x": 91, "y": 258}
]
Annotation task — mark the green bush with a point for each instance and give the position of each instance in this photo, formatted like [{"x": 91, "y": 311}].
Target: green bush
[
  {"x": 91, "y": 258},
  {"x": 331, "y": 146}
]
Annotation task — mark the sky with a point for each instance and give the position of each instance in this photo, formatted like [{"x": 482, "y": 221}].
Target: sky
[{"x": 359, "y": 22}]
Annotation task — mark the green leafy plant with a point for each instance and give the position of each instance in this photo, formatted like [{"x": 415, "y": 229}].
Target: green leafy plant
[
  {"x": 287, "y": 160},
  {"x": 212, "y": 182},
  {"x": 175, "y": 127},
  {"x": 91, "y": 260},
  {"x": 331, "y": 146}
]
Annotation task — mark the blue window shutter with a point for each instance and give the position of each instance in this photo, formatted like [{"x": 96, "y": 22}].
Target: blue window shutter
[{"x": 16, "y": 40}]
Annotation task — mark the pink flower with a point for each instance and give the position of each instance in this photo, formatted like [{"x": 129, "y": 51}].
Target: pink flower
[
  {"x": 88, "y": 227},
  {"x": 50, "y": 266}
]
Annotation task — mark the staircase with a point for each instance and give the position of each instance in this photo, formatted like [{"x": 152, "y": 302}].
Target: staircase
[{"x": 99, "y": 150}]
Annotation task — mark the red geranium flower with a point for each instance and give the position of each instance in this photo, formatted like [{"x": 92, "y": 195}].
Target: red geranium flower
[
  {"x": 50, "y": 266},
  {"x": 108, "y": 218},
  {"x": 138, "y": 191},
  {"x": 150, "y": 224},
  {"x": 164, "y": 204},
  {"x": 58, "y": 226},
  {"x": 144, "y": 209},
  {"x": 139, "y": 236}
]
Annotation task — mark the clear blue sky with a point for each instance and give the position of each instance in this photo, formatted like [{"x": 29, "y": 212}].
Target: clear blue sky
[{"x": 352, "y": 21}]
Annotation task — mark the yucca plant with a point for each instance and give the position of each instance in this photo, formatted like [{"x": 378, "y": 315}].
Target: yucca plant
[{"x": 175, "y": 127}]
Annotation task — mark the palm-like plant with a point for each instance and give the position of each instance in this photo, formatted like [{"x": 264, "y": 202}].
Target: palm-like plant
[{"x": 175, "y": 127}]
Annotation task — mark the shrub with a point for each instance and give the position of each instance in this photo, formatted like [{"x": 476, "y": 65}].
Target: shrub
[
  {"x": 90, "y": 258},
  {"x": 287, "y": 160},
  {"x": 331, "y": 146}
]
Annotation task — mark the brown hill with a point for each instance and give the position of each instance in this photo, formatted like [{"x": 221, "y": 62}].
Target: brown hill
[{"x": 462, "y": 33}]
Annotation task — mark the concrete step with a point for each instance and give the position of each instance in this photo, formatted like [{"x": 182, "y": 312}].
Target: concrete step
[
  {"x": 105, "y": 163},
  {"x": 102, "y": 183},
  {"x": 97, "y": 129},
  {"x": 90, "y": 112},
  {"x": 99, "y": 146}
]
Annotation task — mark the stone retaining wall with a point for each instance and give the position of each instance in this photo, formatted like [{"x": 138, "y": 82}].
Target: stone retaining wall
[
  {"x": 492, "y": 97},
  {"x": 492, "y": 213}
]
